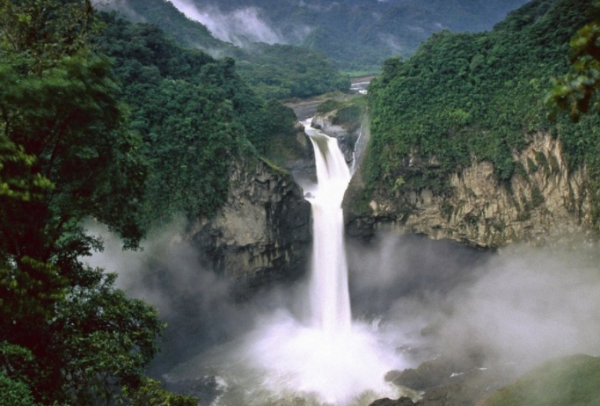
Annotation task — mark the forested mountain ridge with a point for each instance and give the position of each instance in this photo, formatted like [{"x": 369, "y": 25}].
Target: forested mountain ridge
[
  {"x": 475, "y": 104},
  {"x": 130, "y": 139},
  {"x": 357, "y": 35},
  {"x": 273, "y": 70}
]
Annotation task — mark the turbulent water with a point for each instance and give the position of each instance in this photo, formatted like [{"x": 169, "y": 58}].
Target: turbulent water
[
  {"x": 323, "y": 357},
  {"x": 329, "y": 298}
]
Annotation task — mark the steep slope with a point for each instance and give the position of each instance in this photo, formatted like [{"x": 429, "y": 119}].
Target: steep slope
[
  {"x": 205, "y": 136},
  {"x": 273, "y": 71},
  {"x": 357, "y": 35},
  {"x": 461, "y": 146}
]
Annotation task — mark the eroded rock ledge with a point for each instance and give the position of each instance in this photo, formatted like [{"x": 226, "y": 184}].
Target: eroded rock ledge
[
  {"x": 262, "y": 234},
  {"x": 543, "y": 199}
]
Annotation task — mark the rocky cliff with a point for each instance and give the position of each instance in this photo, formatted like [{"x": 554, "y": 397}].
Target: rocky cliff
[
  {"x": 542, "y": 199},
  {"x": 262, "y": 234}
]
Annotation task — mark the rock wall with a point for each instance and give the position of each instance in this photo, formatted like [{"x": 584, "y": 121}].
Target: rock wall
[
  {"x": 347, "y": 133},
  {"x": 543, "y": 199},
  {"x": 262, "y": 234}
]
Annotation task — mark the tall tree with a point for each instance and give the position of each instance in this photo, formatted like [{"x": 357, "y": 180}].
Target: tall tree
[{"x": 65, "y": 154}]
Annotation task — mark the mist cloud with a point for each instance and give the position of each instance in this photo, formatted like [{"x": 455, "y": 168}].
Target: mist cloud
[
  {"x": 238, "y": 27},
  {"x": 522, "y": 306}
]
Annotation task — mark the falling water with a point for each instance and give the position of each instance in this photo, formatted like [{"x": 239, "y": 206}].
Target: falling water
[
  {"x": 329, "y": 298},
  {"x": 328, "y": 359}
]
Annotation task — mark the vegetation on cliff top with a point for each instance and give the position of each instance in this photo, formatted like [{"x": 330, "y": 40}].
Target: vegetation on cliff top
[
  {"x": 195, "y": 115},
  {"x": 477, "y": 96},
  {"x": 272, "y": 71}
]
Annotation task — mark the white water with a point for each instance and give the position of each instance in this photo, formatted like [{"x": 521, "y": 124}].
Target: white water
[
  {"x": 329, "y": 356},
  {"x": 326, "y": 358},
  {"x": 329, "y": 298}
]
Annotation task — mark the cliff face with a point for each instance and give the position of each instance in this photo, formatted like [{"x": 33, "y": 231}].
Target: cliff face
[
  {"x": 262, "y": 234},
  {"x": 542, "y": 199}
]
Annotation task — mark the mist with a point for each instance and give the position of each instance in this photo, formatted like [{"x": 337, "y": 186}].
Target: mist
[
  {"x": 200, "y": 306},
  {"x": 517, "y": 307},
  {"x": 238, "y": 27},
  {"x": 521, "y": 306}
]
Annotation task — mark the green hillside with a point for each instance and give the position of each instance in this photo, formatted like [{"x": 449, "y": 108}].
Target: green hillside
[
  {"x": 273, "y": 71},
  {"x": 360, "y": 34},
  {"x": 569, "y": 381},
  {"x": 194, "y": 113},
  {"x": 166, "y": 16},
  {"x": 477, "y": 95}
]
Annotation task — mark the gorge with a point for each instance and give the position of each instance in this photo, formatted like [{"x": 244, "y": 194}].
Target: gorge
[{"x": 462, "y": 270}]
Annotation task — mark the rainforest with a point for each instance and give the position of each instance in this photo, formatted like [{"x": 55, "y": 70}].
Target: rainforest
[{"x": 256, "y": 202}]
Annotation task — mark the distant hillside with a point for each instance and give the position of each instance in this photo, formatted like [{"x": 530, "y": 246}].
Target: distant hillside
[
  {"x": 166, "y": 16},
  {"x": 358, "y": 34},
  {"x": 477, "y": 95},
  {"x": 274, "y": 71}
]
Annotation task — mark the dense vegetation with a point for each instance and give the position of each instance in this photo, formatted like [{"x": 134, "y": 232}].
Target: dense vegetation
[
  {"x": 194, "y": 115},
  {"x": 565, "y": 381},
  {"x": 285, "y": 71},
  {"x": 477, "y": 96},
  {"x": 72, "y": 149},
  {"x": 273, "y": 71},
  {"x": 358, "y": 35}
]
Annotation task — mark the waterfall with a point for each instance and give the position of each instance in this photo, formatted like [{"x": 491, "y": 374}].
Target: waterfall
[
  {"x": 328, "y": 291},
  {"x": 325, "y": 360}
]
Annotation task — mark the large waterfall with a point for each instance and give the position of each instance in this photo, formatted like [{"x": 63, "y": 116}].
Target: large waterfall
[
  {"x": 319, "y": 353},
  {"x": 329, "y": 298}
]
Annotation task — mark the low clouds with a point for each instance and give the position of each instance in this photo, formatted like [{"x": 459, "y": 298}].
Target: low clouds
[{"x": 239, "y": 27}]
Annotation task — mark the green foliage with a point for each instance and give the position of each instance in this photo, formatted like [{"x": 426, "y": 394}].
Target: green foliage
[
  {"x": 150, "y": 393},
  {"x": 280, "y": 144},
  {"x": 476, "y": 96},
  {"x": 35, "y": 30},
  {"x": 285, "y": 71},
  {"x": 193, "y": 113},
  {"x": 328, "y": 106},
  {"x": 577, "y": 90},
  {"x": 66, "y": 153},
  {"x": 14, "y": 393},
  {"x": 565, "y": 381}
]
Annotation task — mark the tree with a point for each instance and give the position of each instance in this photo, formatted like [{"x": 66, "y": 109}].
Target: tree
[
  {"x": 66, "y": 153},
  {"x": 577, "y": 91}
]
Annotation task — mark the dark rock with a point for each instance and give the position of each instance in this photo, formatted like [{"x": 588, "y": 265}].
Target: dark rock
[
  {"x": 403, "y": 401},
  {"x": 434, "y": 372},
  {"x": 262, "y": 234}
]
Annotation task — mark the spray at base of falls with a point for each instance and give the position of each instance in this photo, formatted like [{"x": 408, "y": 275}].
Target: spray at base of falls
[
  {"x": 325, "y": 357},
  {"x": 329, "y": 355}
]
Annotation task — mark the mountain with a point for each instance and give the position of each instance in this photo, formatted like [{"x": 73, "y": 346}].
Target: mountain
[
  {"x": 273, "y": 70},
  {"x": 358, "y": 34},
  {"x": 461, "y": 144}
]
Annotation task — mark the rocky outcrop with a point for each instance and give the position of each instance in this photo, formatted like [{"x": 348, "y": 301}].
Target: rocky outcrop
[
  {"x": 542, "y": 199},
  {"x": 347, "y": 133},
  {"x": 262, "y": 234}
]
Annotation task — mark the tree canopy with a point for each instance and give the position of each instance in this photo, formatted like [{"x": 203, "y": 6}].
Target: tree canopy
[
  {"x": 477, "y": 96},
  {"x": 66, "y": 153}
]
